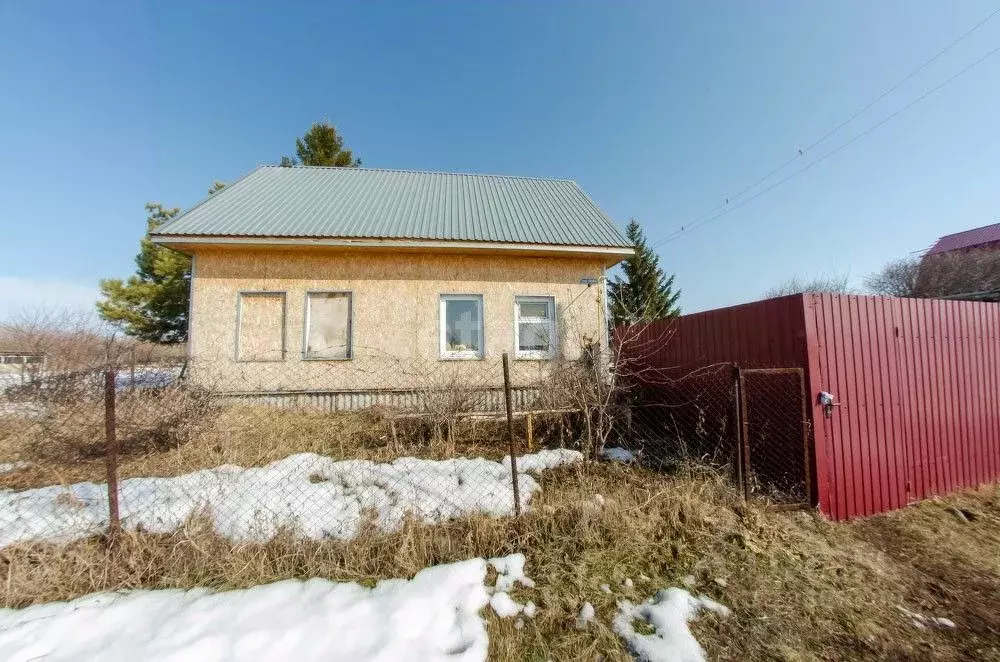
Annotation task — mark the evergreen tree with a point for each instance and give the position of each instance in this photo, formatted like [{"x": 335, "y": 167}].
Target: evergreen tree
[
  {"x": 645, "y": 292},
  {"x": 152, "y": 304},
  {"x": 322, "y": 146}
]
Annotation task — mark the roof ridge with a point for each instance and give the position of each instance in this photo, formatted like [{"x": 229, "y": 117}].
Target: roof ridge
[
  {"x": 421, "y": 172},
  {"x": 981, "y": 227}
]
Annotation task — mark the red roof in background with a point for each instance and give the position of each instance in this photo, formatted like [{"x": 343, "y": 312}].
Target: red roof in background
[{"x": 967, "y": 239}]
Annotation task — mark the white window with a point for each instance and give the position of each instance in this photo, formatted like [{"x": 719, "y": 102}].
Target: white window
[
  {"x": 461, "y": 326},
  {"x": 535, "y": 327},
  {"x": 328, "y": 326},
  {"x": 260, "y": 331}
]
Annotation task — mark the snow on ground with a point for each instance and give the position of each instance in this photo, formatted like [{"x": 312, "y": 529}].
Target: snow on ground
[
  {"x": 586, "y": 616},
  {"x": 505, "y": 606},
  {"x": 9, "y": 380},
  {"x": 7, "y": 467},
  {"x": 148, "y": 376},
  {"x": 510, "y": 570},
  {"x": 316, "y": 496},
  {"x": 434, "y": 616},
  {"x": 920, "y": 621},
  {"x": 616, "y": 454},
  {"x": 668, "y": 612}
]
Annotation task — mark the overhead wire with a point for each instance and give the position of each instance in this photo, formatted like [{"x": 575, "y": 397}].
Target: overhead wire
[
  {"x": 800, "y": 153},
  {"x": 842, "y": 146}
]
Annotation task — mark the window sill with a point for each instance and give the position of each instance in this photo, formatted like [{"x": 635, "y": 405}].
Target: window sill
[
  {"x": 461, "y": 357},
  {"x": 282, "y": 360},
  {"x": 326, "y": 359},
  {"x": 534, "y": 357}
]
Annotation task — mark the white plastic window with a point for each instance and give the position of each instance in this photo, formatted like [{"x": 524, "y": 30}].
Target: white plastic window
[
  {"x": 461, "y": 326},
  {"x": 535, "y": 327}
]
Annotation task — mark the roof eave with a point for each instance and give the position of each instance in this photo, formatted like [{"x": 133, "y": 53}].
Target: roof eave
[{"x": 186, "y": 243}]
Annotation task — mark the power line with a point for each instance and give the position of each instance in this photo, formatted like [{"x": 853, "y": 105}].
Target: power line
[
  {"x": 781, "y": 166},
  {"x": 829, "y": 154}
]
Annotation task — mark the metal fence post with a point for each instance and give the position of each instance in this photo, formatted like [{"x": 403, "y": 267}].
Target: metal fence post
[
  {"x": 738, "y": 410},
  {"x": 111, "y": 454},
  {"x": 510, "y": 433},
  {"x": 744, "y": 433}
]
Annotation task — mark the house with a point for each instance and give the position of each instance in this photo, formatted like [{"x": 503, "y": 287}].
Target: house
[
  {"x": 986, "y": 237},
  {"x": 965, "y": 265},
  {"x": 356, "y": 279}
]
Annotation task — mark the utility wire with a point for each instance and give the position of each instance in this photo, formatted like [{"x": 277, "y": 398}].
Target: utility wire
[
  {"x": 835, "y": 151},
  {"x": 781, "y": 166}
]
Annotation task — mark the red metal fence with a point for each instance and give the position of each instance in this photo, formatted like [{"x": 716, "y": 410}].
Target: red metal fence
[{"x": 916, "y": 384}]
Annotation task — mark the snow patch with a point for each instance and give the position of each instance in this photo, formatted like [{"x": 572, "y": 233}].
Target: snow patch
[
  {"x": 434, "y": 616},
  {"x": 920, "y": 621},
  {"x": 7, "y": 467},
  {"x": 585, "y": 617},
  {"x": 313, "y": 495},
  {"x": 668, "y": 612},
  {"x": 616, "y": 454},
  {"x": 504, "y": 606},
  {"x": 628, "y": 583},
  {"x": 510, "y": 571},
  {"x": 530, "y": 609},
  {"x": 606, "y": 589}
]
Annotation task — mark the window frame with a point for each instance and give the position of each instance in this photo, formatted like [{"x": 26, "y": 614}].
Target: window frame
[
  {"x": 239, "y": 323},
  {"x": 446, "y": 354},
  {"x": 350, "y": 326},
  {"x": 535, "y": 355}
]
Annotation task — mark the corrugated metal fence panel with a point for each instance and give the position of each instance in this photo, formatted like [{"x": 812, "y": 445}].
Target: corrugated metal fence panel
[
  {"x": 764, "y": 334},
  {"x": 918, "y": 384}
]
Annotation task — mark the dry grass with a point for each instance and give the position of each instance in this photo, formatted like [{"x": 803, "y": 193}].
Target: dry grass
[
  {"x": 801, "y": 588},
  {"x": 176, "y": 431}
]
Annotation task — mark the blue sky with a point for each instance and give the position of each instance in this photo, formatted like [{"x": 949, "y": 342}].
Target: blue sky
[{"x": 658, "y": 110}]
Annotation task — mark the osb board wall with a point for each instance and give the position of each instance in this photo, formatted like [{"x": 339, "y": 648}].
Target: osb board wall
[{"x": 396, "y": 308}]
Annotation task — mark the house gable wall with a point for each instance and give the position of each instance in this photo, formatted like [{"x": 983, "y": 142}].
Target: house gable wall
[{"x": 395, "y": 319}]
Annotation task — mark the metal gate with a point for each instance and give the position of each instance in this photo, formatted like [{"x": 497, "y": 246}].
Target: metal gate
[{"x": 774, "y": 436}]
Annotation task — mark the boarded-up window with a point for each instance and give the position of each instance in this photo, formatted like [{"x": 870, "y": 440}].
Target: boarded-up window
[
  {"x": 261, "y": 333},
  {"x": 328, "y": 325}
]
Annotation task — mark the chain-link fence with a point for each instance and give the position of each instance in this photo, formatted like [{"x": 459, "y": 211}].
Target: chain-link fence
[
  {"x": 776, "y": 434},
  {"x": 330, "y": 449},
  {"x": 246, "y": 448}
]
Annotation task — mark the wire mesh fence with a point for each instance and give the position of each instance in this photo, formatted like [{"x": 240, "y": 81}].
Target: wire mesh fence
[
  {"x": 776, "y": 434},
  {"x": 328, "y": 450}
]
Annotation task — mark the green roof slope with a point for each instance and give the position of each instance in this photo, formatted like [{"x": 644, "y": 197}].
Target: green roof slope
[{"x": 275, "y": 201}]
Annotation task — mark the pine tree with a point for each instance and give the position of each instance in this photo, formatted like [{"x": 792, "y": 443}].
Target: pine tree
[
  {"x": 645, "y": 292},
  {"x": 152, "y": 304},
  {"x": 322, "y": 146}
]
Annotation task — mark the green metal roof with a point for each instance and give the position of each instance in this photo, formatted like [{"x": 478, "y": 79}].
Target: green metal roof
[{"x": 276, "y": 201}]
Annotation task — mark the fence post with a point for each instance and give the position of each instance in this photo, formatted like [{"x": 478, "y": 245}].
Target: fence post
[
  {"x": 111, "y": 454},
  {"x": 744, "y": 434},
  {"x": 510, "y": 434},
  {"x": 131, "y": 371},
  {"x": 738, "y": 410}
]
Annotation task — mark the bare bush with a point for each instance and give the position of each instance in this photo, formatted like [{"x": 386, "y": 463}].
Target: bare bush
[
  {"x": 66, "y": 425},
  {"x": 836, "y": 283},
  {"x": 951, "y": 274}
]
